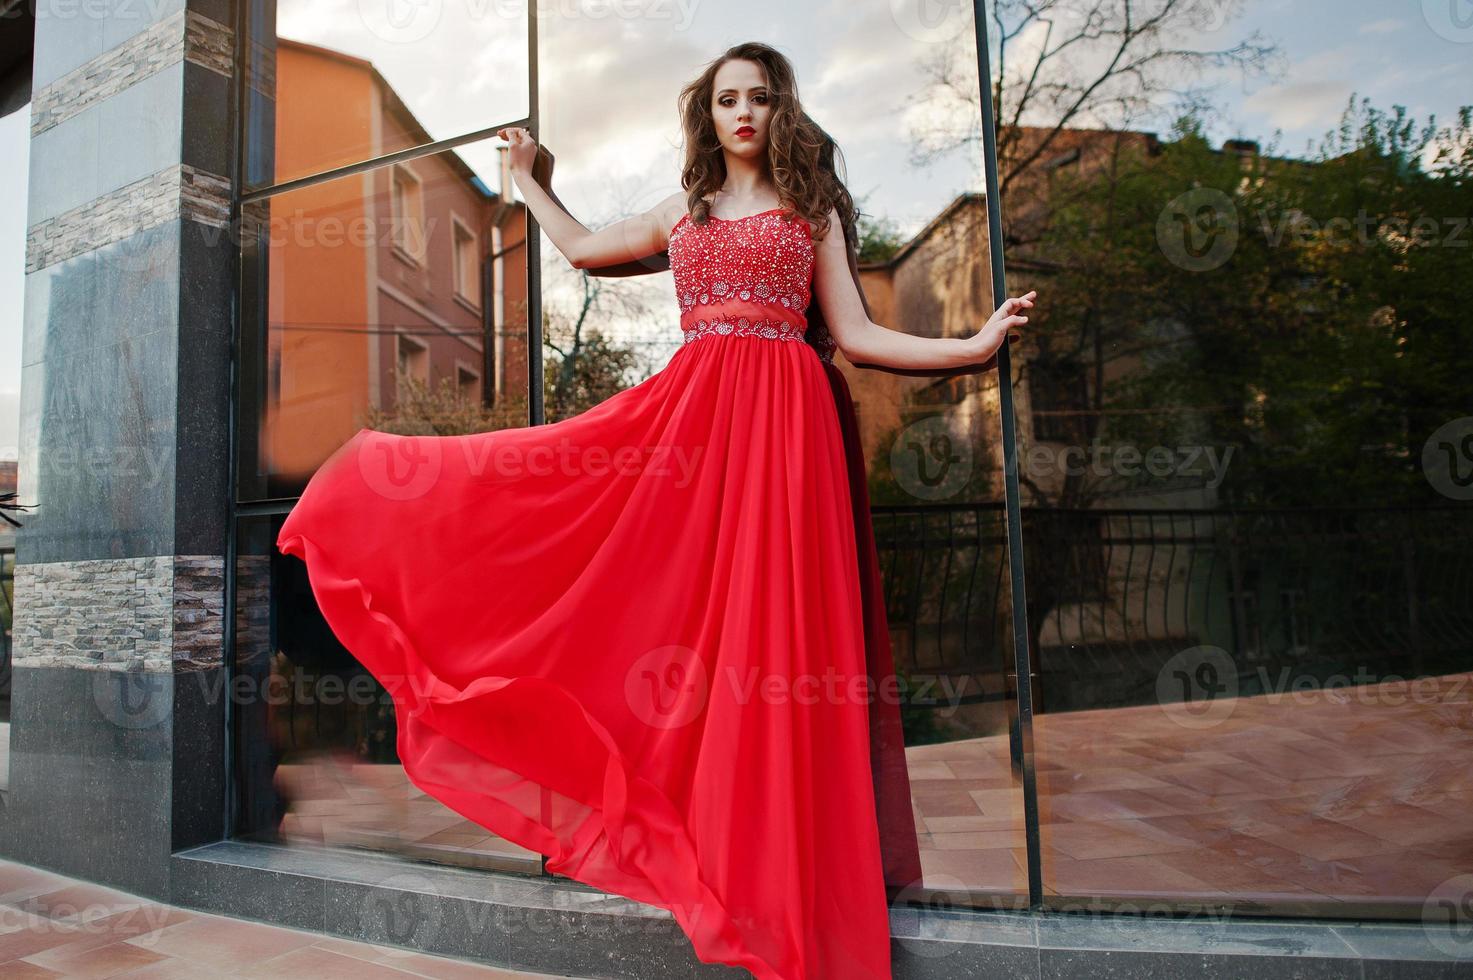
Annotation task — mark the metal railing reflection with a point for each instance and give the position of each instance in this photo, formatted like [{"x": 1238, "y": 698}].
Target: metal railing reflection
[{"x": 1114, "y": 594}]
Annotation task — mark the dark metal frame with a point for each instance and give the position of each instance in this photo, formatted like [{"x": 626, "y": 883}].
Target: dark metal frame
[{"x": 1021, "y": 669}]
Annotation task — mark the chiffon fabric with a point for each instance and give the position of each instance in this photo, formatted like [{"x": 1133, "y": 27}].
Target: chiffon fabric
[{"x": 646, "y": 641}]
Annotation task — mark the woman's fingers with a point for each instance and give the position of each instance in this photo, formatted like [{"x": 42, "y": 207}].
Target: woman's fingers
[
  {"x": 1017, "y": 320},
  {"x": 1013, "y": 303},
  {"x": 1007, "y": 315}
]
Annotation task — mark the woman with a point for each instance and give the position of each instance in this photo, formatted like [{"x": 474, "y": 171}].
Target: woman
[{"x": 629, "y": 640}]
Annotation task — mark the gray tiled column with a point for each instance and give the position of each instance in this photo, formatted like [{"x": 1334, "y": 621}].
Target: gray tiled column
[{"x": 116, "y": 743}]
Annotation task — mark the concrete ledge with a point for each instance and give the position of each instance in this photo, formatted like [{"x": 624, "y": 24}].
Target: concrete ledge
[{"x": 554, "y": 925}]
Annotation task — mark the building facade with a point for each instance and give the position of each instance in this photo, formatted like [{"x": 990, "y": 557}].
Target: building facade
[{"x": 241, "y": 248}]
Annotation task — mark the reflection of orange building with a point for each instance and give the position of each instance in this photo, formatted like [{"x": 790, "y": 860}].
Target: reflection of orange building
[
  {"x": 937, "y": 284},
  {"x": 376, "y": 277}
]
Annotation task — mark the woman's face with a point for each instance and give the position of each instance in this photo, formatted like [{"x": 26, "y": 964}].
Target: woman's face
[{"x": 741, "y": 107}]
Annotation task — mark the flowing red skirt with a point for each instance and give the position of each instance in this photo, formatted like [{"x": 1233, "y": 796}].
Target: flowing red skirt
[{"x": 643, "y": 642}]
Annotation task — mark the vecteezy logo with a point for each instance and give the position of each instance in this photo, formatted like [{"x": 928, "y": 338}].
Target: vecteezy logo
[
  {"x": 1450, "y": 19},
  {"x": 399, "y": 467},
  {"x": 1447, "y": 459},
  {"x": 404, "y": 909},
  {"x": 1208, "y": 17},
  {"x": 400, "y": 21},
  {"x": 1198, "y": 231},
  {"x": 146, "y": 258},
  {"x": 1198, "y": 688},
  {"x": 930, "y": 21},
  {"x": 133, "y": 699},
  {"x": 667, "y": 687},
  {"x": 1447, "y": 917},
  {"x": 916, "y": 902},
  {"x": 929, "y": 461}
]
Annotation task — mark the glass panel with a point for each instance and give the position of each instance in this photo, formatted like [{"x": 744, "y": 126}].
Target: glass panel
[
  {"x": 15, "y": 160},
  {"x": 1245, "y": 454},
  {"x": 316, "y": 751},
  {"x": 334, "y": 84},
  {"x": 364, "y": 306},
  {"x": 934, "y": 451}
]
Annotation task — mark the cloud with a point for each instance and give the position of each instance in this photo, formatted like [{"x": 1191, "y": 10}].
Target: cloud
[
  {"x": 1313, "y": 94},
  {"x": 457, "y": 66},
  {"x": 1388, "y": 26},
  {"x": 1302, "y": 104}
]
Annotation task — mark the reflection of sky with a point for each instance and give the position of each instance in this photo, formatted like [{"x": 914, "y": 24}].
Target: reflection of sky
[
  {"x": 1392, "y": 53},
  {"x": 610, "y": 80},
  {"x": 15, "y": 132},
  {"x": 610, "y": 83}
]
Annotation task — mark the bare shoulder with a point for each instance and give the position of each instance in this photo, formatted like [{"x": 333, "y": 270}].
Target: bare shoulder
[{"x": 833, "y": 236}]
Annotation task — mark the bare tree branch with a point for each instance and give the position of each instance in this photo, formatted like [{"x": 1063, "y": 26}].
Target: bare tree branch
[{"x": 1096, "y": 64}]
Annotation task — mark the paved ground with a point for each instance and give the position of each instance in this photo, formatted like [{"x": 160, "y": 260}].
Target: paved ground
[{"x": 53, "y": 926}]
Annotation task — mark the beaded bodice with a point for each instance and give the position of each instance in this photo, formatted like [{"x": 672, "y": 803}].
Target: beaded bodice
[{"x": 748, "y": 276}]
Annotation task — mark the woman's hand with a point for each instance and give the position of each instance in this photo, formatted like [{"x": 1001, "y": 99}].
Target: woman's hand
[
  {"x": 1006, "y": 319},
  {"x": 523, "y": 148}
]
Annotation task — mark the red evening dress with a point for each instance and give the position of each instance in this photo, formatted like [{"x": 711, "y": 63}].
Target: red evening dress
[{"x": 633, "y": 640}]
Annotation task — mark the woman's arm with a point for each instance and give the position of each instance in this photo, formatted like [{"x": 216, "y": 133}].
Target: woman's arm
[
  {"x": 863, "y": 341},
  {"x": 623, "y": 241}
]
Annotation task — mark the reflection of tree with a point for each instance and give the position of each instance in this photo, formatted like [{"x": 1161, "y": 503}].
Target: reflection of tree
[
  {"x": 1325, "y": 343},
  {"x": 1199, "y": 298},
  {"x": 1062, "y": 67},
  {"x": 444, "y": 410},
  {"x": 879, "y": 237},
  {"x": 934, "y": 453},
  {"x": 594, "y": 369},
  {"x": 10, "y": 501},
  {"x": 1065, "y": 64},
  {"x": 585, "y": 365},
  {"x": 1281, "y": 310}
]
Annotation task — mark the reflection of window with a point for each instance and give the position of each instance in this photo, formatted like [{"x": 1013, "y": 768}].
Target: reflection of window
[
  {"x": 467, "y": 263},
  {"x": 468, "y": 383},
  {"x": 1062, "y": 160},
  {"x": 1059, "y": 399},
  {"x": 409, "y": 213},
  {"x": 414, "y": 359}
]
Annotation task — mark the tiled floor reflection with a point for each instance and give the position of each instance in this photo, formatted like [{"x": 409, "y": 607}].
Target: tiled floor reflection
[
  {"x": 1355, "y": 795},
  {"x": 336, "y": 801},
  {"x": 53, "y": 926},
  {"x": 1358, "y": 795},
  {"x": 969, "y": 814}
]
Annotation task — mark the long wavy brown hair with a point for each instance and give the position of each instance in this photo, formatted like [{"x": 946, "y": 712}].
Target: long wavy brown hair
[{"x": 800, "y": 155}]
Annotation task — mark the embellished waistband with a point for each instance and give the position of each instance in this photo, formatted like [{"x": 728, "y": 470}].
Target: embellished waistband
[{"x": 767, "y": 328}]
